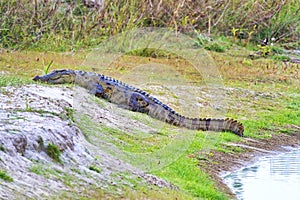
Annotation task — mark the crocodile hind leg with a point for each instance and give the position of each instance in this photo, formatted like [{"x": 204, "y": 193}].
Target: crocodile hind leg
[{"x": 138, "y": 103}]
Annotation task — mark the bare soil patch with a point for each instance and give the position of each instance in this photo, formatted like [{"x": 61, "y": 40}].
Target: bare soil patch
[{"x": 34, "y": 116}]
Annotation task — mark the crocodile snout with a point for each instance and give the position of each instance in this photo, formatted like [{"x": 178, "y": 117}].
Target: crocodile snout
[{"x": 36, "y": 78}]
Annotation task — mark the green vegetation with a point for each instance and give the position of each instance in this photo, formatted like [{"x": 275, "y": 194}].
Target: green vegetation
[
  {"x": 96, "y": 169},
  {"x": 54, "y": 152},
  {"x": 266, "y": 98},
  {"x": 45, "y": 171},
  {"x": 154, "y": 193},
  {"x": 47, "y": 67},
  {"x": 2, "y": 148},
  {"x": 63, "y": 26},
  {"x": 218, "y": 45},
  {"x": 184, "y": 172},
  {"x": 76, "y": 170},
  {"x": 263, "y": 112},
  {"x": 153, "y": 53},
  {"x": 70, "y": 114},
  {"x": 140, "y": 190},
  {"x": 135, "y": 142},
  {"x": 268, "y": 123},
  {"x": 214, "y": 46},
  {"x": 271, "y": 105},
  {"x": 50, "y": 171},
  {"x": 12, "y": 80},
  {"x": 5, "y": 177},
  {"x": 281, "y": 57}
]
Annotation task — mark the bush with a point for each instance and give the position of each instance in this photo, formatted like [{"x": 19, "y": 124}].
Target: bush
[
  {"x": 96, "y": 169},
  {"x": 281, "y": 58},
  {"x": 277, "y": 50},
  {"x": 54, "y": 152},
  {"x": 67, "y": 25},
  {"x": 4, "y": 176},
  {"x": 214, "y": 46}
]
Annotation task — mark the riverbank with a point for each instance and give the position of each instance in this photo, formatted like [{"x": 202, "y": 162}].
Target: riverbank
[
  {"x": 263, "y": 94},
  {"x": 26, "y": 107}
]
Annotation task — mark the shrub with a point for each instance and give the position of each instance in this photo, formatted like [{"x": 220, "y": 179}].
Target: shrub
[
  {"x": 69, "y": 25},
  {"x": 214, "y": 46},
  {"x": 94, "y": 168},
  {"x": 54, "y": 152},
  {"x": 4, "y": 176}
]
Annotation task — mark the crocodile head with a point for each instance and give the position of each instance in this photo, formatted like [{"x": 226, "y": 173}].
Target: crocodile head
[{"x": 57, "y": 77}]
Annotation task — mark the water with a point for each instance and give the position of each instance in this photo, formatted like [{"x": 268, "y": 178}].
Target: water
[{"x": 272, "y": 177}]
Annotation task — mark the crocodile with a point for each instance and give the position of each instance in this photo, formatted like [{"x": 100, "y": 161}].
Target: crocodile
[{"x": 137, "y": 100}]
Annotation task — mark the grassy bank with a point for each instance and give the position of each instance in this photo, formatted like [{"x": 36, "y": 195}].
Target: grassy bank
[
  {"x": 265, "y": 97},
  {"x": 261, "y": 90}
]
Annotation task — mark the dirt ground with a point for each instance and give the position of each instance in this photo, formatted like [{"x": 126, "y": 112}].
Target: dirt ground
[{"x": 220, "y": 163}]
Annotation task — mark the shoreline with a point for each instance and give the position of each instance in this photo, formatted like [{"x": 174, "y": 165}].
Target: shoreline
[
  {"x": 221, "y": 164},
  {"x": 215, "y": 163}
]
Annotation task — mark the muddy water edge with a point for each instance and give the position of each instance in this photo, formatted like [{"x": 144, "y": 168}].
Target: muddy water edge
[
  {"x": 221, "y": 164},
  {"x": 273, "y": 176}
]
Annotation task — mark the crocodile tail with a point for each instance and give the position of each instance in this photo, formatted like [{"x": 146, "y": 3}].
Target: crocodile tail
[
  {"x": 207, "y": 124},
  {"x": 164, "y": 113}
]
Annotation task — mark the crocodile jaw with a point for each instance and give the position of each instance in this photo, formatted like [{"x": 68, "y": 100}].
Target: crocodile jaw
[{"x": 57, "y": 77}]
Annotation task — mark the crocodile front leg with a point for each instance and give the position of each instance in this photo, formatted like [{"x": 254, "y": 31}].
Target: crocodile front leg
[
  {"x": 97, "y": 90},
  {"x": 138, "y": 103}
]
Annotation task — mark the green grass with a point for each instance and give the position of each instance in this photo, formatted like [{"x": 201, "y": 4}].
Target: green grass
[
  {"x": 4, "y": 176},
  {"x": 47, "y": 67},
  {"x": 54, "y": 152},
  {"x": 44, "y": 170},
  {"x": 10, "y": 80},
  {"x": 263, "y": 124},
  {"x": 272, "y": 114},
  {"x": 69, "y": 113},
  {"x": 153, "y": 53},
  {"x": 96, "y": 169},
  {"x": 2, "y": 148},
  {"x": 186, "y": 173},
  {"x": 32, "y": 27},
  {"x": 281, "y": 57},
  {"x": 182, "y": 171},
  {"x": 219, "y": 45},
  {"x": 262, "y": 116},
  {"x": 49, "y": 171},
  {"x": 215, "y": 46}
]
